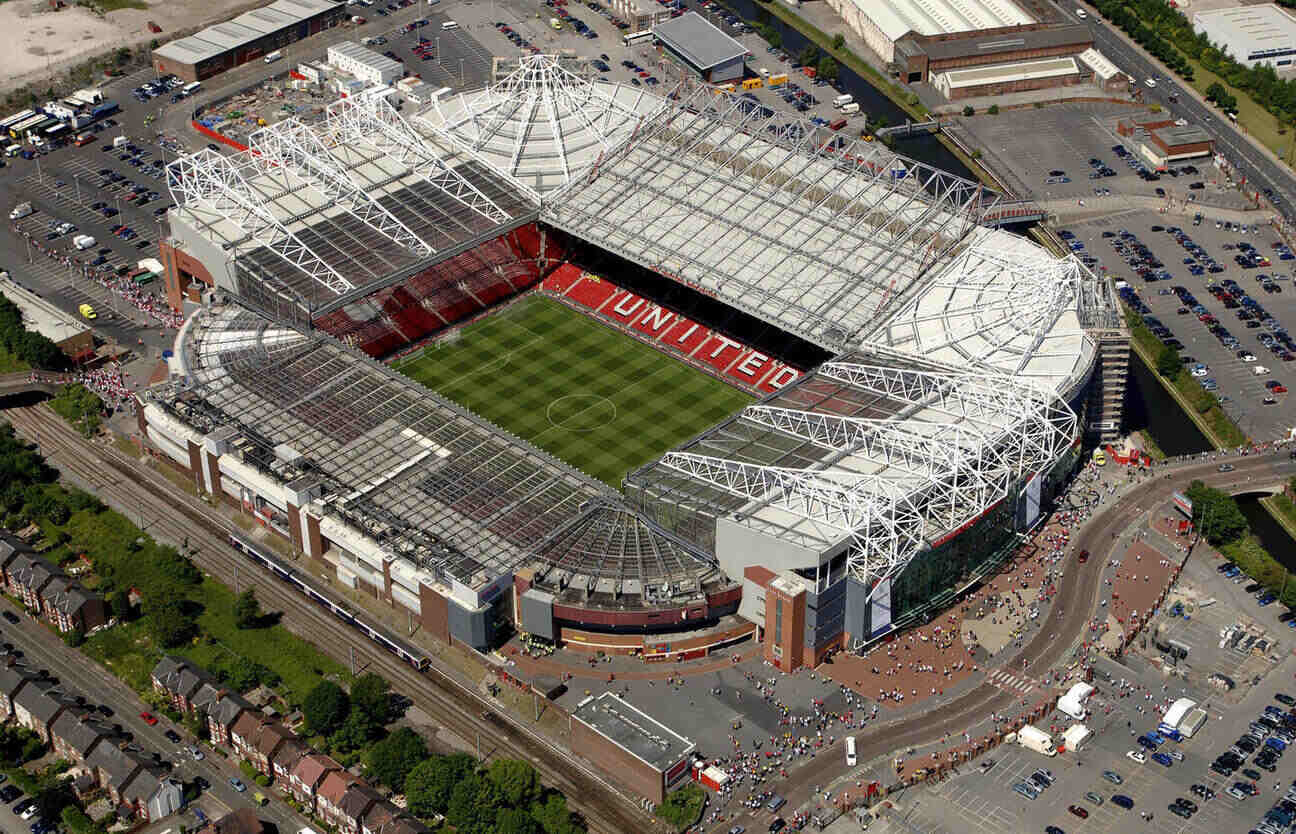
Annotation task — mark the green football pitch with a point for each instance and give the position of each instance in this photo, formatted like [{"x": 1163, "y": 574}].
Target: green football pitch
[{"x": 596, "y": 398}]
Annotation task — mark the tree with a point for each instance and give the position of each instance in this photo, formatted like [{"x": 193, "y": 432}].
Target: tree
[
  {"x": 428, "y": 785},
  {"x": 74, "y": 638},
  {"x": 1168, "y": 363},
  {"x": 809, "y": 55},
  {"x": 993, "y": 110},
  {"x": 390, "y": 760},
  {"x": 968, "y": 110},
  {"x": 371, "y": 694},
  {"x": 1216, "y": 514},
  {"x": 515, "y": 821},
  {"x": 553, "y": 816},
  {"x": 682, "y": 807},
  {"x": 79, "y": 406},
  {"x": 354, "y": 733},
  {"x": 325, "y": 707},
  {"x": 517, "y": 781},
  {"x": 54, "y": 795},
  {"x": 247, "y": 610},
  {"x": 838, "y": 41},
  {"x": 170, "y": 623},
  {"x": 827, "y": 68},
  {"x": 121, "y": 605},
  {"x": 474, "y": 803}
]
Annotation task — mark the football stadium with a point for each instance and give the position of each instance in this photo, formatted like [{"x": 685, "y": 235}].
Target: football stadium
[{"x": 624, "y": 371}]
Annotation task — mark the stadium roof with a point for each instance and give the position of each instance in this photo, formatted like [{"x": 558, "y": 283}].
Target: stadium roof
[
  {"x": 747, "y": 207},
  {"x": 877, "y": 450},
  {"x": 695, "y": 39},
  {"x": 426, "y": 479},
  {"x": 896, "y": 18},
  {"x": 1004, "y": 304},
  {"x": 542, "y": 124},
  {"x": 316, "y": 216}
]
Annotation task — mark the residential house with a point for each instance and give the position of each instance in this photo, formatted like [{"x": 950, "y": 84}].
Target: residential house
[
  {"x": 257, "y": 737},
  {"x": 179, "y": 680},
  {"x": 242, "y": 821},
  {"x": 221, "y": 715},
  {"x": 114, "y": 766},
  {"x": 329, "y": 798},
  {"x": 356, "y": 803},
  {"x": 285, "y": 760},
  {"x": 385, "y": 818},
  {"x": 71, "y": 607},
  {"x": 307, "y": 776},
  {"x": 152, "y": 794},
  {"x": 38, "y": 704},
  {"x": 14, "y": 675},
  {"x": 10, "y": 547},
  {"x": 76, "y": 732},
  {"x": 26, "y": 577}
]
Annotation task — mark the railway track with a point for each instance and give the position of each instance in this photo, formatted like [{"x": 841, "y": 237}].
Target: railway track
[{"x": 171, "y": 515}]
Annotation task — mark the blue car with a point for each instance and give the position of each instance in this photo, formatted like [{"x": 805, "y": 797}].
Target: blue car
[
  {"x": 1267, "y": 599},
  {"x": 1162, "y": 759},
  {"x": 1146, "y": 742},
  {"x": 1123, "y": 801}
]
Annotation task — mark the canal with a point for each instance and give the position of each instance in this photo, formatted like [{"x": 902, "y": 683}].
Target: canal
[
  {"x": 926, "y": 149},
  {"x": 1273, "y": 537}
]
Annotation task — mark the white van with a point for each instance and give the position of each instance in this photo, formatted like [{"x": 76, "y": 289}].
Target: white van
[
  {"x": 1080, "y": 13},
  {"x": 850, "y": 751},
  {"x": 1259, "y": 370},
  {"x": 271, "y": 57},
  {"x": 449, "y": 24},
  {"x": 842, "y": 100}
]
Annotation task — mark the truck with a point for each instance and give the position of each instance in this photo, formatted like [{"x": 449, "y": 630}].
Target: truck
[
  {"x": 83, "y": 242},
  {"x": 20, "y": 211},
  {"x": 850, "y": 109},
  {"x": 120, "y": 141},
  {"x": 271, "y": 57},
  {"x": 837, "y": 124},
  {"x": 1033, "y": 738},
  {"x": 843, "y": 100}
]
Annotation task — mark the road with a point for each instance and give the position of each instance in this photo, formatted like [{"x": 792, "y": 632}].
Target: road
[
  {"x": 47, "y": 651},
  {"x": 1079, "y": 588},
  {"x": 1260, "y": 169},
  {"x": 121, "y": 482}
]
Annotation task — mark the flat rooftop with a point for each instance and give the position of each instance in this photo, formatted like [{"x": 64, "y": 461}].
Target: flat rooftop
[
  {"x": 896, "y": 18},
  {"x": 247, "y": 27},
  {"x": 1185, "y": 135},
  {"x": 1261, "y": 27},
  {"x": 1071, "y": 34},
  {"x": 696, "y": 40},
  {"x": 639, "y": 734},
  {"x": 1005, "y": 73}
]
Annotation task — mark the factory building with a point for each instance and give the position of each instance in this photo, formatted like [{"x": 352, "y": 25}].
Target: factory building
[
  {"x": 1251, "y": 34},
  {"x": 694, "y": 42},
  {"x": 643, "y": 753},
  {"x": 245, "y": 38},
  {"x": 364, "y": 64}
]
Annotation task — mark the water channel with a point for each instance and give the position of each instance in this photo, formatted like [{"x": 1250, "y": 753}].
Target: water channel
[{"x": 927, "y": 149}]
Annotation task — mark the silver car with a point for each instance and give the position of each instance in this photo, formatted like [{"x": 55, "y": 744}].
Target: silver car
[{"x": 1026, "y": 790}]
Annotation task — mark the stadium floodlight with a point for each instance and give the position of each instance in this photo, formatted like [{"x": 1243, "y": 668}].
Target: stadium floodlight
[
  {"x": 213, "y": 181},
  {"x": 373, "y": 123},
  {"x": 290, "y": 143}
]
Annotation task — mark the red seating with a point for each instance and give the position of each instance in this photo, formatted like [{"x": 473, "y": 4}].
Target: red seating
[
  {"x": 446, "y": 293},
  {"x": 671, "y": 331}
]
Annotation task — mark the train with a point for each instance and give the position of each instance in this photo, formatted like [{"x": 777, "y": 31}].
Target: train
[{"x": 411, "y": 655}]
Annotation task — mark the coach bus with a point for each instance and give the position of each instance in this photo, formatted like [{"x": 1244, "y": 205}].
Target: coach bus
[
  {"x": 191, "y": 88},
  {"x": 5, "y": 124},
  {"x": 18, "y": 130},
  {"x": 637, "y": 37}
]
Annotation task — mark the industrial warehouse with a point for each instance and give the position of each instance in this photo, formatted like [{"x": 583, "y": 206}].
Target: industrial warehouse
[{"x": 955, "y": 367}]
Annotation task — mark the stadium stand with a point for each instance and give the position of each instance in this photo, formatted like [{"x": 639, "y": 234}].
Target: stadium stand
[
  {"x": 670, "y": 331},
  {"x": 441, "y": 295}
]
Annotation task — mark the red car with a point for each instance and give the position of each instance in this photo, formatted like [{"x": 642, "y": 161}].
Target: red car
[
  {"x": 1279, "y": 389},
  {"x": 1082, "y": 558},
  {"x": 149, "y": 718},
  {"x": 1079, "y": 812}
]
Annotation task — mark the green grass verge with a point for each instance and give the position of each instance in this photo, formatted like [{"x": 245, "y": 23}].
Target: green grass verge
[
  {"x": 1202, "y": 406},
  {"x": 683, "y": 807},
  {"x": 1262, "y": 567},
  {"x": 117, "y": 5},
  {"x": 597, "y": 398},
  {"x": 1256, "y": 120},
  {"x": 11, "y": 364},
  {"x": 1282, "y": 508}
]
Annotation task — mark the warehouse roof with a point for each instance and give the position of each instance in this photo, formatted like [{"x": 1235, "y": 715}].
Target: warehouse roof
[
  {"x": 639, "y": 734},
  {"x": 222, "y": 37},
  {"x": 694, "y": 38},
  {"x": 1098, "y": 62},
  {"x": 936, "y": 17},
  {"x": 1259, "y": 27},
  {"x": 1007, "y": 73},
  {"x": 1012, "y": 42},
  {"x": 1176, "y": 136},
  {"x": 366, "y": 56}
]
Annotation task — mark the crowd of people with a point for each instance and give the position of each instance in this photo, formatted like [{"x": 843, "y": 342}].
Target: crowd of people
[
  {"x": 109, "y": 382},
  {"x": 151, "y": 305}
]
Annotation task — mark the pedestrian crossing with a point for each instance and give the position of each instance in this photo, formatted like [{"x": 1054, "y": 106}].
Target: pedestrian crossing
[{"x": 1011, "y": 683}]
